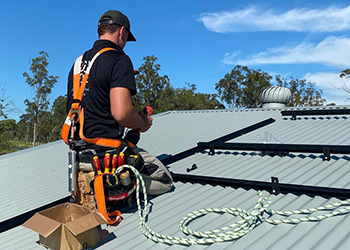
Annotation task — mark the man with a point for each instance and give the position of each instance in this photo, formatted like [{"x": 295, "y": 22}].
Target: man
[{"x": 107, "y": 99}]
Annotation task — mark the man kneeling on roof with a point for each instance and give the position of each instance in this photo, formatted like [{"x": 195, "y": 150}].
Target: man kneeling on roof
[{"x": 107, "y": 101}]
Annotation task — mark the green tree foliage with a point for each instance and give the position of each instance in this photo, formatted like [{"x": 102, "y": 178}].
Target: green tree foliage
[
  {"x": 7, "y": 127},
  {"x": 8, "y": 130},
  {"x": 304, "y": 93},
  {"x": 166, "y": 100},
  {"x": 6, "y": 103},
  {"x": 155, "y": 90},
  {"x": 345, "y": 74},
  {"x": 58, "y": 115},
  {"x": 186, "y": 98},
  {"x": 149, "y": 83},
  {"x": 41, "y": 83},
  {"x": 240, "y": 87},
  {"x": 24, "y": 127},
  {"x": 50, "y": 123}
]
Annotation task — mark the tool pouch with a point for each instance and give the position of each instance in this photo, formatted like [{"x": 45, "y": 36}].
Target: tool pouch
[
  {"x": 111, "y": 188},
  {"x": 132, "y": 157}
]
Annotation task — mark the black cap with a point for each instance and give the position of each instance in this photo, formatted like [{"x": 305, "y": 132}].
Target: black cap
[{"x": 117, "y": 18}]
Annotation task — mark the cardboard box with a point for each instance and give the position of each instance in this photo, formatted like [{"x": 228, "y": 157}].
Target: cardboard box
[{"x": 66, "y": 226}]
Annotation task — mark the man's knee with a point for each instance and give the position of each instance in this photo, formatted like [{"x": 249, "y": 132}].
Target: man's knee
[{"x": 157, "y": 177}]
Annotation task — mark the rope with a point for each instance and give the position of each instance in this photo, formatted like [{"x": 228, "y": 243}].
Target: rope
[{"x": 231, "y": 232}]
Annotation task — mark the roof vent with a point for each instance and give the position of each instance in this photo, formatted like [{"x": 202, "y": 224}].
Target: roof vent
[{"x": 274, "y": 96}]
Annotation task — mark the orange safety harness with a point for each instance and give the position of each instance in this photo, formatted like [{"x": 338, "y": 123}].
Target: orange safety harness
[{"x": 76, "y": 115}]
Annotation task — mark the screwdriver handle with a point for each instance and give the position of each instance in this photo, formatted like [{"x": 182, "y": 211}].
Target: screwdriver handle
[
  {"x": 97, "y": 164},
  {"x": 120, "y": 159},
  {"x": 107, "y": 162},
  {"x": 114, "y": 162}
]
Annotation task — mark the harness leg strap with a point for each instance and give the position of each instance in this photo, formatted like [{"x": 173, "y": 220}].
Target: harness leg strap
[{"x": 101, "y": 202}]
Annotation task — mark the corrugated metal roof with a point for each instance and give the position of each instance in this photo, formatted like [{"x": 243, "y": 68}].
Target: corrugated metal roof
[
  {"x": 305, "y": 130},
  {"x": 174, "y": 132},
  {"x": 32, "y": 178},
  {"x": 306, "y": 169},
  {"x": 169, "y": 209}
]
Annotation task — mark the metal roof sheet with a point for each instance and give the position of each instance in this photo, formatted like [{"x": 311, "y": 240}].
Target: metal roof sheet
[
  {"x": 174, "y": 132},
  {"x": 306, "y": 169},
  {"x": 167, "y": 211},
  {"x": 32, "y": 178}
]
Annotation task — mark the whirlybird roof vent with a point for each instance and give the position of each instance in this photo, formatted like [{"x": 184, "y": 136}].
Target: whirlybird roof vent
[{"x": 274, "y": 97}]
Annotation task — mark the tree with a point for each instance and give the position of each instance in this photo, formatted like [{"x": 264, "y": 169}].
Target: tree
[
  {"x": 186, "y": 98},
  {"x": 8, "y": 130},
  {"x": 5, "y": 102},
  {"x": 304, "y": 93},
  {"x": 345, "y": 74},
  {"x": 41, "y": 83},
  {"x": 166, "y": 99},
  {"x": 240, "y": 87},
  {"x": 23, "y": 128},
  {"x": 58, "y": 115},
  {"x": 150, "y": 84}
]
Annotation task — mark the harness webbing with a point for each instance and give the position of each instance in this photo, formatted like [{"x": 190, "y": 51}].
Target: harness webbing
[
  {"x": 112, "y": 218},
  {"x": 77, "y": 111}
]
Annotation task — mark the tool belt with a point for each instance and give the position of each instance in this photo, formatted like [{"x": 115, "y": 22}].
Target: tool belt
[{"x": 111, "y": 188}]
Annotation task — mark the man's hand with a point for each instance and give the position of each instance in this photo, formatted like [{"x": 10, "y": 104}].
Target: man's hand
[{"x": 148, "y": 121}]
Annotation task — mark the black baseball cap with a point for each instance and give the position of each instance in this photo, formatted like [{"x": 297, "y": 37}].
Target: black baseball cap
[{"x": 117, "y": 18}]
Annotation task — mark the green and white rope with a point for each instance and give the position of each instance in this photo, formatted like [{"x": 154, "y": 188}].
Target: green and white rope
[{"x": 231, "y": 232}]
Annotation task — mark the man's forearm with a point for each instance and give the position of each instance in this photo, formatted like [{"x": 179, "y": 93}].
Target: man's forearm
[{"x": 125, "y": 113}]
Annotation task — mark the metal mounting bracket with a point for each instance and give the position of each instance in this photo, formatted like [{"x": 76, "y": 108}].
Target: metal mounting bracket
[
  {"x": 326, "y": 154},
  {"x": 211, "y": 149},
  {"x": 275, "y": 185}
]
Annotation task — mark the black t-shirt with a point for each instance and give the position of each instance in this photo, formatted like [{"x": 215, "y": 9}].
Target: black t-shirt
[{"x": 111, "y": 69}]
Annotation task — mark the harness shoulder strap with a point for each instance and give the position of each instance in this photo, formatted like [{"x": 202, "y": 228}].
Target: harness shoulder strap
[{"x": 76, "y": 113}]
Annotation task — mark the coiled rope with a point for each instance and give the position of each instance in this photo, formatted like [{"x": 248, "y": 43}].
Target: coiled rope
[{"x": 231, "y": 232}]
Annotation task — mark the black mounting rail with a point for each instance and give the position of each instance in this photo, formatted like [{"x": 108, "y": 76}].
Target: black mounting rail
[
  {"x": 192, "y": 151},
  {"x": 295, "y": 113},
  {"x": 274, "y": 187},
  {"x": 326, "y": 150}
]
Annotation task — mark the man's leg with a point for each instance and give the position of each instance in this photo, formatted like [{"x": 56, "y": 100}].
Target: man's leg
[{"x": 157, "y": 178}]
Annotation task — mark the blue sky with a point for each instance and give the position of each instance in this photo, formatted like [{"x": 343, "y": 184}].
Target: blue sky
[{"x": 197, "y": 42}]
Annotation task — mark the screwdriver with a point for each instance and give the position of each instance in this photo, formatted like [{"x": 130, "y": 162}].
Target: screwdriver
[
  {"x": 121, "y": 159},
  {"x": 97, "y": 164},
  {"x": 107, "y": 162},
  {"x": 114, "y": 162}
]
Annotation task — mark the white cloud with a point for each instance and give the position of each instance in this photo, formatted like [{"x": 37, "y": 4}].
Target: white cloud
[
  {"x": 332, "y": 51},
  {"x": 254, "y": 19},
  {"x": 330, "y": 83}
]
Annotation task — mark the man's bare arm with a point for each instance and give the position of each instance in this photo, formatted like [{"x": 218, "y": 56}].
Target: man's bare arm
[{"x": 125, "y": 113}]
